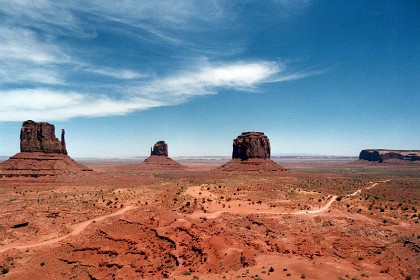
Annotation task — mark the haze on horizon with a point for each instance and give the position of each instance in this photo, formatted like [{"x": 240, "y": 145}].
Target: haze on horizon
[{"x": 317, "y": 77}]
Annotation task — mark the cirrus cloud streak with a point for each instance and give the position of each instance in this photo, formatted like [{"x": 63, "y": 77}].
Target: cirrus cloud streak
[{"x": 49, "y": 104}]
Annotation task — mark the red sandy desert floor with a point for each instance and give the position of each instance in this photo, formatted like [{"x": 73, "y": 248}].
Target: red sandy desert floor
[{"x": 319, "y": 220}]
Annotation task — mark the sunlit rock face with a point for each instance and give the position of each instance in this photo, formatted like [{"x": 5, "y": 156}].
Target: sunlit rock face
[
  {"x": 251, "y": 145},
  {"x": 40, "y": 137}
]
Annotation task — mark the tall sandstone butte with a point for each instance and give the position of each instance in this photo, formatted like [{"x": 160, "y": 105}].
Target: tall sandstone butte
[
  {"x": 41, "y": 154},
  {"x": 251, "y": 145},
  {"x": 40, "y": 137},
  {"x": 251, "y": 153},
  {"x": 159, "y": 149},
  {"x": 159, "y": 159}
]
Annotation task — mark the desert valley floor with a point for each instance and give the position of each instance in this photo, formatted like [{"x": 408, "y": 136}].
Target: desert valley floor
[{"x": 318, "y": 220}]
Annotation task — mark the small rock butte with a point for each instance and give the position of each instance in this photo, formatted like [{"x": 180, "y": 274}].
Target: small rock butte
[
  {"x": 159, "y": 159},
  {"x": 159, "y": 149}
]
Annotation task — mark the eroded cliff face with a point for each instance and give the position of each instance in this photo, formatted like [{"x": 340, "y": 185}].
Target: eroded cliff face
[
  {"x": 159, "y": 159},
  {"x": 251, "y": 154},
  {"x": 381, "y": 155},
  {"x": 42, "y": 155},
  {"x": 250, "y": 145},
  {"x": 40, "y": 137},
  {"x": 159, "y": 149}
]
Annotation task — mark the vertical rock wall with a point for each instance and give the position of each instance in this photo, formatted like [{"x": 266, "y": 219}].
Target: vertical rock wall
[
  {"x": 251, "y": 145},
  {"x": 159, "y": 149},
  {"x": 40, "y": 137}
]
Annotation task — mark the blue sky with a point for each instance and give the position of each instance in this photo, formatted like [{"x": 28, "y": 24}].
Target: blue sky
[{"x": 318, "y": 77}]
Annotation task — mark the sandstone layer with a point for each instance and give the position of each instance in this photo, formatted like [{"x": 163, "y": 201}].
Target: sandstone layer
[
  {"x": 251, "y": 154},
  {"x": 42, "y": 154},
  {"x": 251, "y": 145},
  {"x": 40, "y": 137},
  {"x": 159, "y": 159},
  {"x": 382, "y": 155},
  {"x": 37, "y": 164},
  {"x": 159, "y": 149}
]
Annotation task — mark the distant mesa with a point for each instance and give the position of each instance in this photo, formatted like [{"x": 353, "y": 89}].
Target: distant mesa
[
  {"x": 41, "y": 154},
  {"x": 159, "y": 159},
  {"x": 251, "y": 153},
  {"x": 382, "y": 155}
]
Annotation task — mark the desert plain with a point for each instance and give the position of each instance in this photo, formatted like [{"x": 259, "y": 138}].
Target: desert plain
[{"x": 320, "y": 219}]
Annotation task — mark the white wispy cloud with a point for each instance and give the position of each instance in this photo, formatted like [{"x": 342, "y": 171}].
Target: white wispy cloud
[
  {"x": 122, "y": 74},
  {"x": 209, "y": 78},
  {"x": 48, "y": 104},
  {"x": 24, "y": 57},
  {"x": 39, "y": 72}
]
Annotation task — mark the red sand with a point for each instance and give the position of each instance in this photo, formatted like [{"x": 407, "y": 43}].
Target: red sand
[{"x": 129, "y": 224}]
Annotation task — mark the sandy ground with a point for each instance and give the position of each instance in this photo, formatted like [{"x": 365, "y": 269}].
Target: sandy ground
[{"x": 319, "y": 220}]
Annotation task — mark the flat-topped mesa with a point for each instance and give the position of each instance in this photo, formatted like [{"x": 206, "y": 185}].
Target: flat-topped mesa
[
  {"x": 381, "y": 155},
  {"x": 251, "y": 154},
  {"x": 40, "y": 137},
  {"x": 159, "y": 149},
  {"x": 251, "y": 145}
]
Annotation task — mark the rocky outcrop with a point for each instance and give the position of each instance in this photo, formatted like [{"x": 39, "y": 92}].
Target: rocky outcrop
[
  {"x": 38, "y": 164},
  {"x": 42, "y": 154},
  {"x": 381, "y": 155},
  {"x": 251, "y": 145},
  {"x": 40, "y": 137},
  {"x": 159, "y": 149},
  {"x": 251, "y": 154},
  {"x": 159, "y": 159}
]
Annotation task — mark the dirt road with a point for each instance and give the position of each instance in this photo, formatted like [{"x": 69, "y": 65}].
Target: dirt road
[
  {"x": 326, "y": 207},
  {"x": 76, "y": 229}
]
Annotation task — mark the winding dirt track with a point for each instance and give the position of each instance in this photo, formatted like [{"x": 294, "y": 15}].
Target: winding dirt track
[
  {"x": 326, "y": 207},
  {"x": 78, "y": 228}
]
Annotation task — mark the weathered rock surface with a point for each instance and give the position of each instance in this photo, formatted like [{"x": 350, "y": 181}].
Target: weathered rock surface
[
  {"x": 42, "y": 154},
  {"x": 253, "y": 165},
  {"x": 251, "y": 154},
  {"x": 40, "y": 137},
  {"x": 160, "y": 163},
  {"x": 38, "y": 164},
  {"x": 381, "y": 155},
  {"x": 251, "y": 145},
  {"x": 159, "y": 159},
  {"x": 159, "y": 149}
]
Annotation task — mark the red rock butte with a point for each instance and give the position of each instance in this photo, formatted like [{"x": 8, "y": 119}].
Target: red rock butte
[
  {"x": 41, "y": 154},
  {"x": 251, "y": 153},
  {"x": 159, "y": 159}
]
